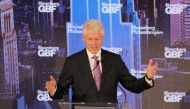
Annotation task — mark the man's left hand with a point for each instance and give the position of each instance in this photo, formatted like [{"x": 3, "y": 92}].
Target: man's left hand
[{"x": 151, "y": 69}]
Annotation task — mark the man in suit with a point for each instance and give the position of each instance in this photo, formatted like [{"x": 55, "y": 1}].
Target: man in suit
[{"x": 94, "y": 73}]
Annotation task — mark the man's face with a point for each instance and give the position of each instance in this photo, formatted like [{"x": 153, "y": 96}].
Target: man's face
[{"x": 93, "y": 42}]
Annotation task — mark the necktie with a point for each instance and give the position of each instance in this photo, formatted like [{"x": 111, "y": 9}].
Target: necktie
[{"x": 97, "y": 72}]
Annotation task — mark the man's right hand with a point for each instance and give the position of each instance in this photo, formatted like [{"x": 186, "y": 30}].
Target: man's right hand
[{"x": 51, "y": 85}]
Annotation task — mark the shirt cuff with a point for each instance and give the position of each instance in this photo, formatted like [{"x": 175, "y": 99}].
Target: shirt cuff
[{"x": 150, "y": 82}]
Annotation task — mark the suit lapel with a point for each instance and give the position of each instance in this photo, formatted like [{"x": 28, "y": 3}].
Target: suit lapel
[
  {"x": 86, "y": 70},
  {"x": 86, "y": 65},
  {"x": 105, "y": 69}
]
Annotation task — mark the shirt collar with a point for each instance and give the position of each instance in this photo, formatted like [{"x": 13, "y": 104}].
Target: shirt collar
[{"x": 90, "y": 55}]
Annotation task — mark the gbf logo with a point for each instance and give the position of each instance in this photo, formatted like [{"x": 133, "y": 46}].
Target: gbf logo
[
  {"x": 47, "y": 51},
  {"x": 111, "y": 7},
  {"x": 47, "y": 7},
  {"x": 174, "y": 52},
  {"x": 43, "y": 96},
  {"x": 174, "y": 8},
  {"x": 173, "y": 96}
]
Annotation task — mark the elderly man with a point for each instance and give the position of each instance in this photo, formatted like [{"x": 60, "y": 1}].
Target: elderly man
[{"x": 94, "y": 73}]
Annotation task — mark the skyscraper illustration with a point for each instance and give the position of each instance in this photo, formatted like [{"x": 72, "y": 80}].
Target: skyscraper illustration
[{"x": 9, "y": 56}]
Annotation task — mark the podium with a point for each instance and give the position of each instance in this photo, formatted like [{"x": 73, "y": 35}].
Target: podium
[{"x": 67, "y": 105}]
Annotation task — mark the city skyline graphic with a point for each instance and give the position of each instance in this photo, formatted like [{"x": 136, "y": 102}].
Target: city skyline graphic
[{"x": 38, "y": 35}]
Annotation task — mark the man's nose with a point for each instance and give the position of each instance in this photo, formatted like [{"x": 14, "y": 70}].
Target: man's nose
[{"x": 94, "y": 42}]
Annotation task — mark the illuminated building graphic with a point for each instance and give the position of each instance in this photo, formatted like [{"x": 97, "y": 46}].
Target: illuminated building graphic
[
  {"x": 180, "y": 23},
  {"x": 8, "y": 42},
  {"x": 118, "y": 34}
]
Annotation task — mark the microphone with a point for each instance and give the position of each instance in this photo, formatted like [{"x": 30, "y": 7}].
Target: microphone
[
  {"x": 125, "y": 100},
  {"x": 97, "y": 63}
]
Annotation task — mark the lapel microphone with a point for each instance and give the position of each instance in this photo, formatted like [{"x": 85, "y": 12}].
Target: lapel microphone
[{"x": 97, "y": 63}]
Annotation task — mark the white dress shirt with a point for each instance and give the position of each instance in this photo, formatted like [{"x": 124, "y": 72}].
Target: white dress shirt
[{"x": 91, "y": 61}]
